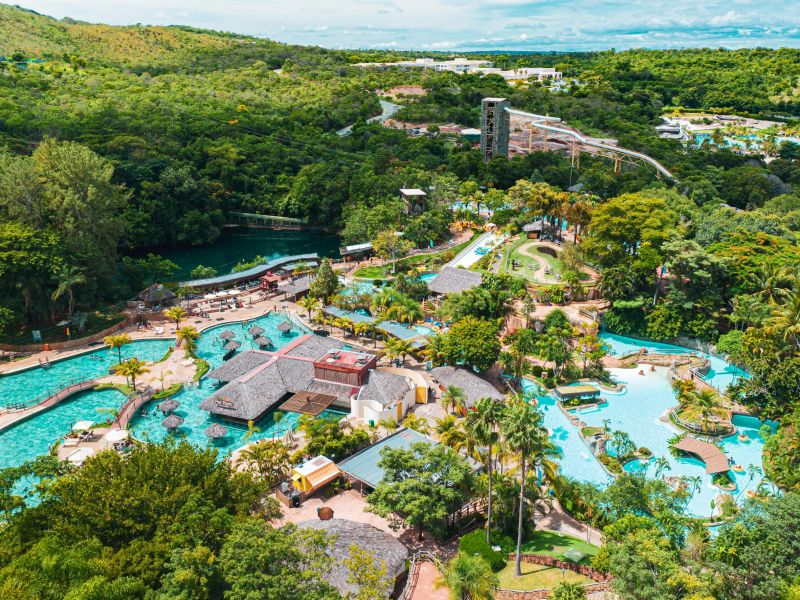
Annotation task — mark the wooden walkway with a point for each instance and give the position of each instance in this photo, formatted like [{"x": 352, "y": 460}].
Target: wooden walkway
[
  {"x": 715, "y": 459},
  {"x": 11, "y": 416}
]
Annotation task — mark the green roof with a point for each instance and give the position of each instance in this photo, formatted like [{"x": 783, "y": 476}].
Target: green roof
[{"x": 364, "y": 464}]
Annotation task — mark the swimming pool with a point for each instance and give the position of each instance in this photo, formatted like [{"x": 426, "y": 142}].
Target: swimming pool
[
  {"x": 637, "y": 410},
  {"x": 209, "y": 348},
  {"x": 720, "y": 375},
  {"x": 426, "y": 277},
  {"x": 424, "y": 330},
  {"x": 30, "y": 384}
]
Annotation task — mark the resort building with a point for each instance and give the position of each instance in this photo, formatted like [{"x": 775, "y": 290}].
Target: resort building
[
  {"x": 384, "y": 547},
  {"x": 453, "y": 280},
  {"x": 308, "y": 375},
  {"x": 455, "y": 65},
  {"x": 314, "y": 474},
  {"x": 473, "y": 386},
  {"x": 523, "y": 74}
]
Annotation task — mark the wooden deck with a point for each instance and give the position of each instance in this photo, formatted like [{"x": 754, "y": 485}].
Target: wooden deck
[{"x": 715, "y": 459}]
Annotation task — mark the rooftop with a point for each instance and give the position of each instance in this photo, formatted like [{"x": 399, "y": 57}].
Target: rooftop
[
  {"x": 473, "y": 386},
  {"x": 258, "y": 270},
  {"x": 576, "y": 391},
  {"x": 452, "y": 280}
]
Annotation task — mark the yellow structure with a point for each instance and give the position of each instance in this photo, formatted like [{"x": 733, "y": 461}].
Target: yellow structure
[{"x": 314, "y": 474}]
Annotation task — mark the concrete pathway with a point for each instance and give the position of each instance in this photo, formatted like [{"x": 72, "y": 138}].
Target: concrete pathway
[
  {"x": 425, "y": 585},
  {"x": 558, "y": 521}
]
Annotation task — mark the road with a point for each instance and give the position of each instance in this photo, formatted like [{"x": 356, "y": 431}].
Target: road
[{"x": 389, "y": 108}]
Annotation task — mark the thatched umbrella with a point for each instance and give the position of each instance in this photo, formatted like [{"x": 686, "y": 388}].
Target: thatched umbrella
[
  {"x": 285, "y": 327},
  {"x": 263, "y": 341},
  {"x": 227, "y": 335},
  {"x": 168, "y": 405},
  {"x": 216, "y": 431},
  {"x": 231, "y": 346},
  {"x": 172, "y": 422},
  {"x": 255, "y": 330}
]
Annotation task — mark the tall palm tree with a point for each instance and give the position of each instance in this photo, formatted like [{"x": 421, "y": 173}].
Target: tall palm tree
[
  {"x": 785, "y": 319},
  {"x": 450, "y": 433},
  {"x": 774, "y": 283},
  {"x": 382, "y": 300},
  {"x": 187, "y": 336},
  {"x": 131, "y": 369},
  {"x": 661, "y": 464},
  {"x": 453, "y": 397},
  {"x": 434, "y": 351},
  {"x": 161, "y": 377},
  {"x": 705, "y": 403},
  {"x": 482, "y": 424},
  {"x": 522, "y": 427},
  {"x": 309, "y": 304},
  {"x": 177, "y": 314},
  {"x": 470, "y": 578},
  {"x": 68, "y": 278},
  {"x": 390, "y": 425},
  {"x": 116, "y": 342}
]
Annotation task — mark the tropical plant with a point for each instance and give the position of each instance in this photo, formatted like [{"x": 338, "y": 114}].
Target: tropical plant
[
  {"x": 131, "y": 369},
  {"x": 417, "y": 423},
  {"x": 161, "y": 377},
  {"x": 569, "y": 590},
  {"x": 470, "y": 578},
  {"x": 117, "y": 341},
  {"x": 450, "y": 433},
  {"x": 68, "y": 278},
  {"x": 270, "y": 459},
  {"x": 661, "y": 465},
  {"x": 310, "y": 304},
  {"x": 187, "y": 336},
  {"x": 454, "y": 398},
  {"x": 176, "y": 313},
  {"x": 252, "y": 429}
]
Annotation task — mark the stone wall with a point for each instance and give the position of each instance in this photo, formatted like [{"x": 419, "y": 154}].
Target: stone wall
[
  {"x": 541, "y": 594},
  {"x": 550, "y": 561},
  {"x": 69, "y": 344}
]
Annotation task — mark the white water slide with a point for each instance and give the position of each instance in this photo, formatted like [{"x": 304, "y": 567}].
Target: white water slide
[{"x": 539, "y": 123}]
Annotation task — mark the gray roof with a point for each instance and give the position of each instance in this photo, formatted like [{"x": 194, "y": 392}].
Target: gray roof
[
  {"x": 451, "y": 280},
  {"x": 232, "y": 345},
  {"x": 298, "y": 286},
  {"x": 386, "y": 388},
  {"x": 363, "y": 465},
  {"x": 252, "y": 273},
  {"x": 394, "y": 328},
  {"x": 314, "y": 346},
  {"x": 255, "y": 330},
  {"x": 239, "y": 365},
  {"x": 156, "y": 294},
  {"x": 342, "y": 391},
  {"x": 172, "y": 422},
  {"x": 538, "y": 225},
  {"x": 384, "y": 547},
  {"x": 474, "y": 387}
]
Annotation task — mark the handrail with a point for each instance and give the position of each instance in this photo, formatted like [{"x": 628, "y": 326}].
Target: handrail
[
  {"x": 129, "y": 408},
  {"x": 583, "y": 140},
  {"x": 419, "y": 556}
]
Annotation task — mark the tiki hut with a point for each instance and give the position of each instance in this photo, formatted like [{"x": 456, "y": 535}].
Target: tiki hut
[
  {"x": 255, "y": 330},
  {"x": 453, "y": 280},
  {"x": 285, "y": 327},
  {"x": 168, "y": 405},
  {"x": 385, "y": 549},
  {"x": 473, "y": 386},
  {"x": 172, "y": 422},
  {"x": 216, "y": 431},
  {"x": 263, "y": 341},
  {"x": 231, "y": 346},
  {"x": 227, "y": 335}
]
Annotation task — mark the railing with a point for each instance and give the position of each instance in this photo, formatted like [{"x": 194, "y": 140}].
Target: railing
[
  {"x": 129, "y": 408},
  {"x": 411, "y": 581},
  {"x": 56, "y": 395}
]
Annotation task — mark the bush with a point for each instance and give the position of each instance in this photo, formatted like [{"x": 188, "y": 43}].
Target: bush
[
  {"x": 475, "y": 543},
  {"x": 537, "y": 370}
]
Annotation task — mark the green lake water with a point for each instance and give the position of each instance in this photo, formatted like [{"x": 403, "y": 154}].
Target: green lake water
[{"x": 241, "y": 243}]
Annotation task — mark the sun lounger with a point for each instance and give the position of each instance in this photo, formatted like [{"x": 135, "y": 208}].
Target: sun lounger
[
  {"x": 159, "y": 330},
  {"x": 71, "y": 441}
]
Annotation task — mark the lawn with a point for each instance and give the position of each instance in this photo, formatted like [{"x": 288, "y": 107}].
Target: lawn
[
  {"x": 536, "y": 577},
  {"x": 527, "y": 266},
  {"x": 555, "y": 544}
]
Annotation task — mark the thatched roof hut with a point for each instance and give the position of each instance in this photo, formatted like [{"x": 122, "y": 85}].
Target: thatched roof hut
[
  {"x": 452, "y": 280},
  {"x": 172, "y": 422},
  {"x": 263, "y": 341},
  {"x": 384, "y": 547},
  {"x": 255, "y": 330},
  {"x": 216, "y": 431},
  {"x": 285, "y": 327},
  {"x": 474, "y": 387},
  {"x": 227, "y": 335},
  {"x": 156, "y": 294},
  {"x": 231, "y": 346},
  {"x": 168, "y": 405}
]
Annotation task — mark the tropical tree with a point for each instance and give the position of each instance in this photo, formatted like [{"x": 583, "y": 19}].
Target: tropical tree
[
  {"x": 270, "y": 459},
  {"x": 417, "y": 423},
  {"x": 68, "y": 277},
  {"x": 470, "y": 578},
  {"x": 252, "y": 429},
  {"x": 390, "y": 425},
  {"x": 661, "y": 465},
  {"x": 163, "y": 375},
  {"x": 569, "y": 590},
  {"x": 309, "y": 303},
  {"x": 131, "y": 369},
  {"x": 382, "y": 300},
  {"x": 396, "y": 347},
  {"x": 325, "y": 283},
  {"x": 482, "y": 427},
  {"x": 435, "y": 350},
  {"x": 187, "y": 336},
  {"x": 522, "y": 428},
  {"x": 362, "y": 328},
  {"x": 116, "y": 342},
  {"x": 450, "y": 432},
  {"x": 704, "y": 403},
  {"x": 454, "y": 397},
  {"x": 390, "y": 246},
  {"x": 176, "y": 313},
  {"x": 785, "y": 320}
]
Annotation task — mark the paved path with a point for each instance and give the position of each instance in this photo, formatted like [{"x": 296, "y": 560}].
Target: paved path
[
  {"x": 425, "y": 588},
  {"x": 558, "y": 521}
]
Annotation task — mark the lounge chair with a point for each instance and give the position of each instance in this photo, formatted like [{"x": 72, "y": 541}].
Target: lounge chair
[
  {"x": 159, "y": 330},
  {"x": 71, "y": 441}
]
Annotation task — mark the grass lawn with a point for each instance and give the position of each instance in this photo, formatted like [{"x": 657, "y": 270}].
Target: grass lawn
[
  {"x": 536, "y": 577},
  {"x": 555, "y": 544},
  {"x": 527, "y": 266}
]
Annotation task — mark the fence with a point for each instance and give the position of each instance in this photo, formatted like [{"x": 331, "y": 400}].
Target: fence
[
  {"x": 95, "y": 337},
  {"x": 421, "y": 556},
  {"x": 129, "y": 408}
]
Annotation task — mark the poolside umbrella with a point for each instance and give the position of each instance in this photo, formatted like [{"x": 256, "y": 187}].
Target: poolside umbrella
[
  {"x": 227, "y": 335},
  {"x": 172, "y": 422},
  {"x": 117, "y": 435},
  {"x": 216, "y": 431},
  {"x": 285, "y": 327},
  {"x": 255, "y": 330},
  {"x": 573, "y": 555},
  {"x": 263, "y": 341},
  {"x": 82, "y": 425},
  {"x": 231, "y": 346},
  {"x": 168, "y": 405}
]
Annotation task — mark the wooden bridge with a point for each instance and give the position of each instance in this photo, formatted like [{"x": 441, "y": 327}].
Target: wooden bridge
[
  {"x": 265, "y": 221},
  {"x": 45, "y": 402},
  {"x": 130, "y": 408}
]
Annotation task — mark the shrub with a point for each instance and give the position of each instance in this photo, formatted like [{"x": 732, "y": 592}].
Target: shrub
[
  {"x": 475, "y": 543},
  {"x": 537, "y": 370}
]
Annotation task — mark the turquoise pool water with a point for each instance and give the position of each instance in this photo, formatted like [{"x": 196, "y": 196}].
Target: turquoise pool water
[
  {"x": 424, "y": 330},
  {"x": 637, "y": 410},
  {"x": 426, "y": 277},
  {"x": 28, "y": 439},
  {"x": 357, "y": 288},
  {"x": 209, "y": 347},
  {"x": 34, "y": 383},
  {"x": 720, "y": 376}
]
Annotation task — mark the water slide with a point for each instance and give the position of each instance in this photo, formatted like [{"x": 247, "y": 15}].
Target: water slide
[{"x": 539, "y": 123}]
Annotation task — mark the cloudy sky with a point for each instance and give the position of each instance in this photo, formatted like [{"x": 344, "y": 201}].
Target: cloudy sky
[{"x": 465, "y": 24}]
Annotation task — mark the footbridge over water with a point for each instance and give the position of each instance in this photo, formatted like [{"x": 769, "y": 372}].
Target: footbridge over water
[{"x": 496, "y": 116}]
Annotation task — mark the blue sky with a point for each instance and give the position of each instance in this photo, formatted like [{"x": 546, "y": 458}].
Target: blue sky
[{"x": 465, "y": 24}]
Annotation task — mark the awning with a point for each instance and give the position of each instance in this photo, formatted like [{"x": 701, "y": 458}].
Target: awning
[
  {"x": 308, "y": 403},
  {"x": 576, "y": 391}
]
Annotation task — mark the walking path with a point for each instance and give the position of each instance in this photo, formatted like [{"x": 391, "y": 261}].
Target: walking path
[
  {"x": 424, "y": 586},
  {"x": 558, "y": 521}
]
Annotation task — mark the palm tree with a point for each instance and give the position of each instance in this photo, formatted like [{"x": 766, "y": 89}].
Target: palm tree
[
  {"x": 362, "y": 328},
  {"x": 177, "y": 314},
  {"x": 696, "y": 482},
  {"x": 187, "y": 337},
  {"x": 403, "y": 349},
  {"x": 470, "y": 578},
  {"x": 450, "y": 433},
  {"x": 252, "y": 429},
  {"x": 131, "y": 369},
  {"x": 752, "y": 471},
  {"x": 117, "y": 342},
  {"x": 310, "y": 304},
  {"x": 661, "y": 464},
  {"x": 773, "y": 282},
  {"x": 705, "y": 403},
  {"x": 522, "y": 428},
  {"x": 435, "y": 350},
  {"x": 68, "y": 278},
  {"x": 785, "y": 319},
  {"x": 161, "y": 377},
  {"x": 454, "y": 397},
  {"x": 482, "y": 424},
  {"x": 390, "y": 425},
  {"x": 382, "y": 300}
]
